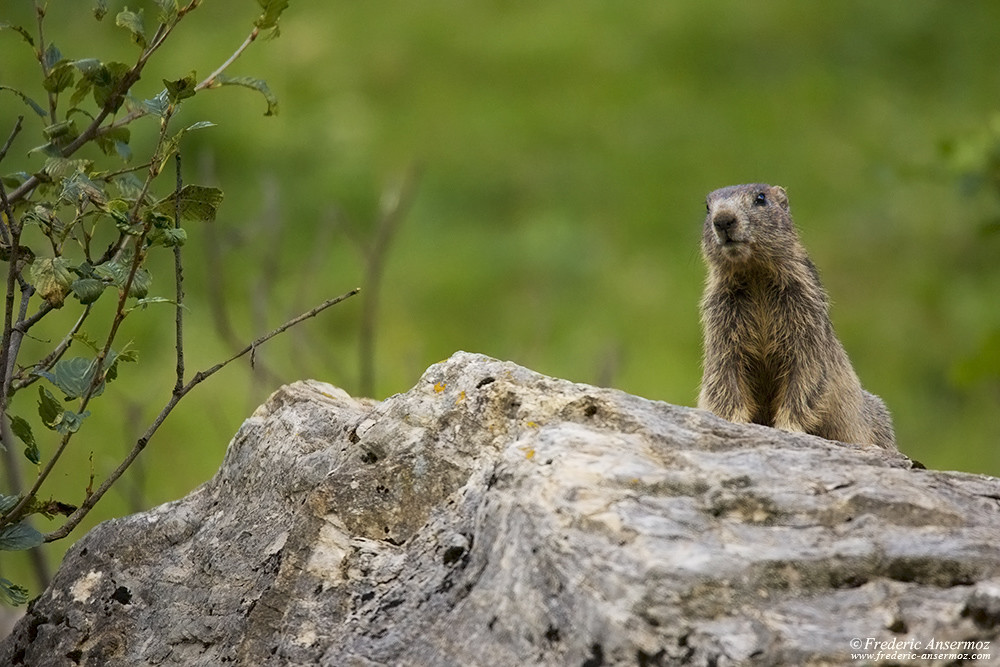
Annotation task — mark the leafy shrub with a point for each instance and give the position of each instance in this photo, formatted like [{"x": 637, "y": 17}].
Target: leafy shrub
[{"x": 75, "y": 229}]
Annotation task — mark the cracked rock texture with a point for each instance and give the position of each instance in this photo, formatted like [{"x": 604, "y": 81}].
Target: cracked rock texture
[{"x": 495, "y": 516}]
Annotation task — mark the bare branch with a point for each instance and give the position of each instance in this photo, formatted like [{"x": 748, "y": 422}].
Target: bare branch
[
  {"x": 13, "y": 273},
  {"x": 175, "y": 397},
  {"x": 179, "y": 282},
  {"x": 40, "y": 18},
  {"x": 52, "y": 357},
  {"x": 10, "y": 139},
  {"x": 209, "y": 81},
  {"x": 395, "y": 205}
]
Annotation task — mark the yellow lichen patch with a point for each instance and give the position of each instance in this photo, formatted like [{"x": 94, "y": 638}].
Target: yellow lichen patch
[
  {"x": 529, "y": 453},
  {"x": 439, "y": 387},
  {"x": 461, "y": 397},
  {"x": 83, "y": 588}
]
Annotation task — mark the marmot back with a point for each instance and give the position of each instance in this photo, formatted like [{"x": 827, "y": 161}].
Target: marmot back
[{"x": 771, "y": 354}]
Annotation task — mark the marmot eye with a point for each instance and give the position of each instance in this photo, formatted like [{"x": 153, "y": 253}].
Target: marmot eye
[
  {"x": 760, "y": 199},
  {"x": 708, "y": 207}
]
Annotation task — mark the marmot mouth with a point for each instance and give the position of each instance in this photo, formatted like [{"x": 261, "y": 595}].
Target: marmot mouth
[{"x": 734, "y": 249}]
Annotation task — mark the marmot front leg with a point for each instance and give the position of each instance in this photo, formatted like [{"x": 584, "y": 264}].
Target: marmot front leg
[
  {"x": 723, "y": 394},
  {"x": 803, "y": 387}
]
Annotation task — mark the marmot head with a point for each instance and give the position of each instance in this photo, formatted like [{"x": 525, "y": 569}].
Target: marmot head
[{"x": 748, "y": 225}]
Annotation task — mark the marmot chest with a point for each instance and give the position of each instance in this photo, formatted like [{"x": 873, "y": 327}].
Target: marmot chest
[{"x": 764, "y": 321}]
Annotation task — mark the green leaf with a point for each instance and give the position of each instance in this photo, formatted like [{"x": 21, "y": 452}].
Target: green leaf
[
  {"x": 89, "y": 67},
  {"x": 22, "y": 429},
  {"x": 70, "y": 421},
  {"x": 18, "y": 537},
  {"x": 132, "y": 21},
  {"x": 44, "y": 218},
  {"x": 85, "y": 340},
  {"x": 199, "y": 125},
  {"x": 115, "y": 141},
  {"x": 119, "y": 210},
  {"x": 106, "y": 81},
  {"x": 140, "y": 284},
  {"x": 174, "y": 237},
  {"x": 64, "y": 131},
  {"x": 61, "y": 167},
  {"x": 157, "y": 105},
  {"x": 48, "y": 407},
  {"x": 83, "y": 86},
  {"x": 49, "y": 149},
  {"x": 126, "y": 356},
  {"x": 27, "y": 100},
  {"x": 128, "y": 185},
  {"x": 72, "y": 376},
  {"x": 60, "y": 77},
  {"x": 123, "y": 150},
  {"x": 51, "y": 278},
  {"x": 117, "y": 273},
  {"x": 51, "y": 56},
  {"x": 51, "y": 412},
  {"x": 168, "y": 10},
  {"x": 181, "y": 89},
  {"x": 78, "y": 189},
  {"x": 7, "y": 503},
  {"x": 272, "y": 10},
  {"x": 12, "y": 594},
  {"x": 92, "y": 70},
  {"x": 142, "y": 303},
  {"x": 15, "y": 179},
  {"x": 87, "y": 290},
  {"x": 114, "y": 271},
  {"x": 255, "y": 84},
  {"x": 168, "y": 237},
  {"x": 197, "y": 202}
]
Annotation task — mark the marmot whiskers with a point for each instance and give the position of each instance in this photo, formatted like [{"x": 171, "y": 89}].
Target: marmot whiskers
[{"x": 771, "y": 355}]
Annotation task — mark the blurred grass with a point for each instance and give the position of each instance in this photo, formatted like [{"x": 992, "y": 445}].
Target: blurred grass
[{"x": 565, "y": 150}]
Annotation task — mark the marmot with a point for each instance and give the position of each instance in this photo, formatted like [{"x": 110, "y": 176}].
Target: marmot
[{"x": 771, "y": 355}]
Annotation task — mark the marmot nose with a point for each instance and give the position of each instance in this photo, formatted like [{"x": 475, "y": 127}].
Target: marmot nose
[{"x": 724, "y": 222}]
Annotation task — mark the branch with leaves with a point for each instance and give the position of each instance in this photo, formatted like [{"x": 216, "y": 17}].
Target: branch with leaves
[{"x": 75, "y": 229}]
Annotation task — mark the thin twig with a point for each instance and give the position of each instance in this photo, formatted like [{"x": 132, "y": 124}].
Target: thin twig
[
  {"x": 13, "y": 271},
  {"x": 179, "y": 281},
  {"x": 175, "y": 397},
  {"x": 215, "y": 289},
  {"x": 395, "y": 208},
  {"x": 270, "y": 228},
  {"x": 210, "y": 79},
  {"x": 52, "y": 357},
  {"x": 10, "y": 140},
  {"x": 16, "y": 336},
  {"x": 53, "y": 98},
  {"x": 110, "y": 106},
  {"x": 25, "y": 324},
  {"x": 128, "y": 170},
  {"x": 17, "y": 511}
]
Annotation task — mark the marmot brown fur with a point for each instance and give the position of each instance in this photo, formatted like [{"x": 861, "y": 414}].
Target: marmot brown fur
[{"x": 771, "y": 355}]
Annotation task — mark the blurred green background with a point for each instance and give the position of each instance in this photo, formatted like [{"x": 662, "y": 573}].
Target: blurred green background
[{"x": 564, "y": 150}]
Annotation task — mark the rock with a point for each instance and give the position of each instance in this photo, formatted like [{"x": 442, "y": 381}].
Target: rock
[{"x": 495, "y": 516}]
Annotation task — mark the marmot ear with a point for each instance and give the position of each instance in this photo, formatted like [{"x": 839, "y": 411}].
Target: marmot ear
[{"x": 780, "y": 196}]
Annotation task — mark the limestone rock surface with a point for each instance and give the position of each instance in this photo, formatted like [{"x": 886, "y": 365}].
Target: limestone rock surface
[{"x": 494, "y": 516}]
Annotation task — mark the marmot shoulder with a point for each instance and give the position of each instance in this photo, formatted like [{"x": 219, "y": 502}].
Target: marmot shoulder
[{"x": 771, "y": 354}]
